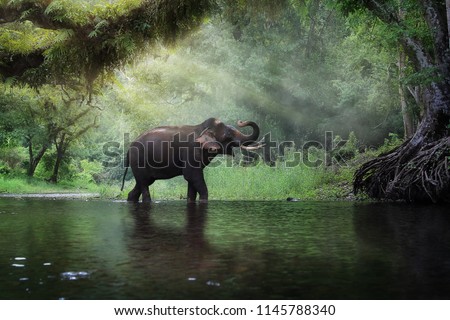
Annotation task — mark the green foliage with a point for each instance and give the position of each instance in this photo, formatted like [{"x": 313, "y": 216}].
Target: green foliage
[
  {"x": 12, "y": 158},
  {"x": 367, "y": 86},
  {"x": 21, "y": 185},
  {"x": 350, "y": 149},
  {"x": 79, "y": 41},
  {"x": 262, "y": 182},
  {"x": 23, "y": 38},
  {"x": 34, "y": 121},
  {"x": 90, "y": 171},
  {"x": 68, "y": 11},
  {"x": 297, "y": 68},
  {"x": 390, "y": 143}
]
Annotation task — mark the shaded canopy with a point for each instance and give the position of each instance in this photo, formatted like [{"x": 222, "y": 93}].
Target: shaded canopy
[{"x": 59, "y": 41}]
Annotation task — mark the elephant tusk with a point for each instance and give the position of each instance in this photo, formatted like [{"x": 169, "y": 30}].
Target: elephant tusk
[{"x": 259, "y": 146}]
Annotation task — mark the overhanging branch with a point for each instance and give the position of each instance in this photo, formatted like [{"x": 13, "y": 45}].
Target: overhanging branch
[{"x": 33, "y": 11}]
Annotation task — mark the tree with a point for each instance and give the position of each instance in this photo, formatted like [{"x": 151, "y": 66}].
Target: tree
[
  {"x": 71, "y": 44},
  {"x": 71, "y": 121},
  {"x": 24, "y": 124},
  {"x": 85, "y": 39},
  {"x": 408, "y": 124},
  {"x": 419, "y": 169},
  {"x": 38, "y": 127},
  {"x": 40, "y": 120}
]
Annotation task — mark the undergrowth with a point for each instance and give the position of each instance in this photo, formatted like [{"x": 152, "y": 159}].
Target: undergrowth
[{"x": 225, "y": 181}]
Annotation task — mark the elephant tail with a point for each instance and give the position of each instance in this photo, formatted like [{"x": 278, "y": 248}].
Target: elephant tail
[{"x": 126, "y": 164}]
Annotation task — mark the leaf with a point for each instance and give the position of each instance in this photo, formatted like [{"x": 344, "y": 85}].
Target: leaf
[
  {"x": 53, "y": 7},
  {"x": 64, "y": 34},
  {"x": 94, "y": 33}
]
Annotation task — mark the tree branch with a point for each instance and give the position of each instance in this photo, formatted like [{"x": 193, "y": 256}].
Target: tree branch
[
  {"x": 422, "y": 58},
  {"x": 93, "y": 42},
  {"x": 15, "y": 65},
  {"x": 34, "y": 11}
]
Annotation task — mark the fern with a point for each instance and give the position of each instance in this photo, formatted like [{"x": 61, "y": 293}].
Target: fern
[
  {"x": 92, "y": 37},
  {"x": 97, "y": 31},
  {"x": 63, "y": 35},
  {"x": 24, "y": 38},
  {"x": 75, "y": 12}
]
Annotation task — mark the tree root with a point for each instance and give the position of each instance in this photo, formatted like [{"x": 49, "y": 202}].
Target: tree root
[{"x": 415, "y": 173}]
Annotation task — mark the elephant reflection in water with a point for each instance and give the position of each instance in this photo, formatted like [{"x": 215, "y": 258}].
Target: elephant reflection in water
[
  {"x": 167, "y": 251},
  {"x": 167, "y": 152}
]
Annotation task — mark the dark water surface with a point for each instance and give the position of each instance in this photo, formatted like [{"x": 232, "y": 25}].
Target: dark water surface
[{"x": 74, "y": 249}]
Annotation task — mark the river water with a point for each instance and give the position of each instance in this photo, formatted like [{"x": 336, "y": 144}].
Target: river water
[{"x": 78, "y": 249}]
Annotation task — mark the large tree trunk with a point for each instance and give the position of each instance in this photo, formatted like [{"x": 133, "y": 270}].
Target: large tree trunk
[
  {"x": 447, "y": 4},
  {"x": 408, "y": 124},
  {"x": 419, "y": 169}
]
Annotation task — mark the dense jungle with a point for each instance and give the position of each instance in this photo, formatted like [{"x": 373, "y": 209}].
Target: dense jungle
[
  {"x": 224, "y": 149},
  {"x": 351, "y": 96}
]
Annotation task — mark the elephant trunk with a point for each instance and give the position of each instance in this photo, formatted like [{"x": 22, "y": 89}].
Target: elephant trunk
[{"x": 242, "y": 138}]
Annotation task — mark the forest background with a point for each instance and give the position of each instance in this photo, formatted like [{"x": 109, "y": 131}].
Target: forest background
[{"x": 297, "y": 68}]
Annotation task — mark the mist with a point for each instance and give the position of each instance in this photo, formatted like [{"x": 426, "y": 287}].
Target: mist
[
  {"x": 296, "y": 75},
  {"x": 265, "y": 75}
]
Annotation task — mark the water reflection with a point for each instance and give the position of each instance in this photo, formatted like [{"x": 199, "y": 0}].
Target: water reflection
[
  {"x": 192, "y": 236},
  {"x": 74, "y": 275},
  {"x": 223, "y": 250},
  {"x": 172, "y": 255},
  {"x": 405, "y": 245}
]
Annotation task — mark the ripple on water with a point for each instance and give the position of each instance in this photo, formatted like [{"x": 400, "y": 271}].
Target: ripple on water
[
  {"x": 18, "y": 262},
  {"x": 213, "y": 283},
  {"x": 20, "y": 258},
  {"x": 75, "y": 275}
]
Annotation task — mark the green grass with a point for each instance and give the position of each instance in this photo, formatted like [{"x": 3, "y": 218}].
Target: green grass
[
  {"x": 225, "y": 179},
  {"x": 25, "y": 185},
  {"x": 259, "y": 182},
  {"x": 274, "y": 183}
]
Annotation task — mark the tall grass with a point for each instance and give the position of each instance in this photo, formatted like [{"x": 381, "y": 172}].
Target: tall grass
[
  {"x": 259, "y": 182},
  {"x": 226, "y": 179},
  {"x": 25, "y": 185},
  {"x": 262, "y": 182}
]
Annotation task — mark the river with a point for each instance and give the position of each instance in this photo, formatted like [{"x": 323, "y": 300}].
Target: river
[{"x": 95, "y": 249}]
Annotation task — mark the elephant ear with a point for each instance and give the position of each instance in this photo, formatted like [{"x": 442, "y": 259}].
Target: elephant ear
[{"x": 208, "y": 141}]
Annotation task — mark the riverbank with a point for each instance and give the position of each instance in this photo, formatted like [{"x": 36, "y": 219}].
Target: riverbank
[
  {"x": 259, "y": 182},
  {"x": 34, "y": 187},
  {"x": 227, "y": 179},
  {"x": 51, "y": 195}
]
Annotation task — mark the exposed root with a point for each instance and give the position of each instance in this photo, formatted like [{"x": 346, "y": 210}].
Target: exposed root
[{"x": 410, "y": 172}]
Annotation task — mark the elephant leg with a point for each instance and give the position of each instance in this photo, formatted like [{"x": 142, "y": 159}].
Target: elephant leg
[
  {"x": 133, "y": 195},
  {"x": 145, "y": 191},
  {"x": 196, "y": 184},
  {"x": 146, "y": 195},
  {"x": 202, "y": 190},
  {"x": 192, "y": 193}
]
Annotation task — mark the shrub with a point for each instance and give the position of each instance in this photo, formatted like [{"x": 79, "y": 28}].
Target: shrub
[{"x": 90, "y": 171}]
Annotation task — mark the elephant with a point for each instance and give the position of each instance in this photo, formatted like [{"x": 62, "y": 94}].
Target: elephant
[{"x": 170, "y": 151}]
